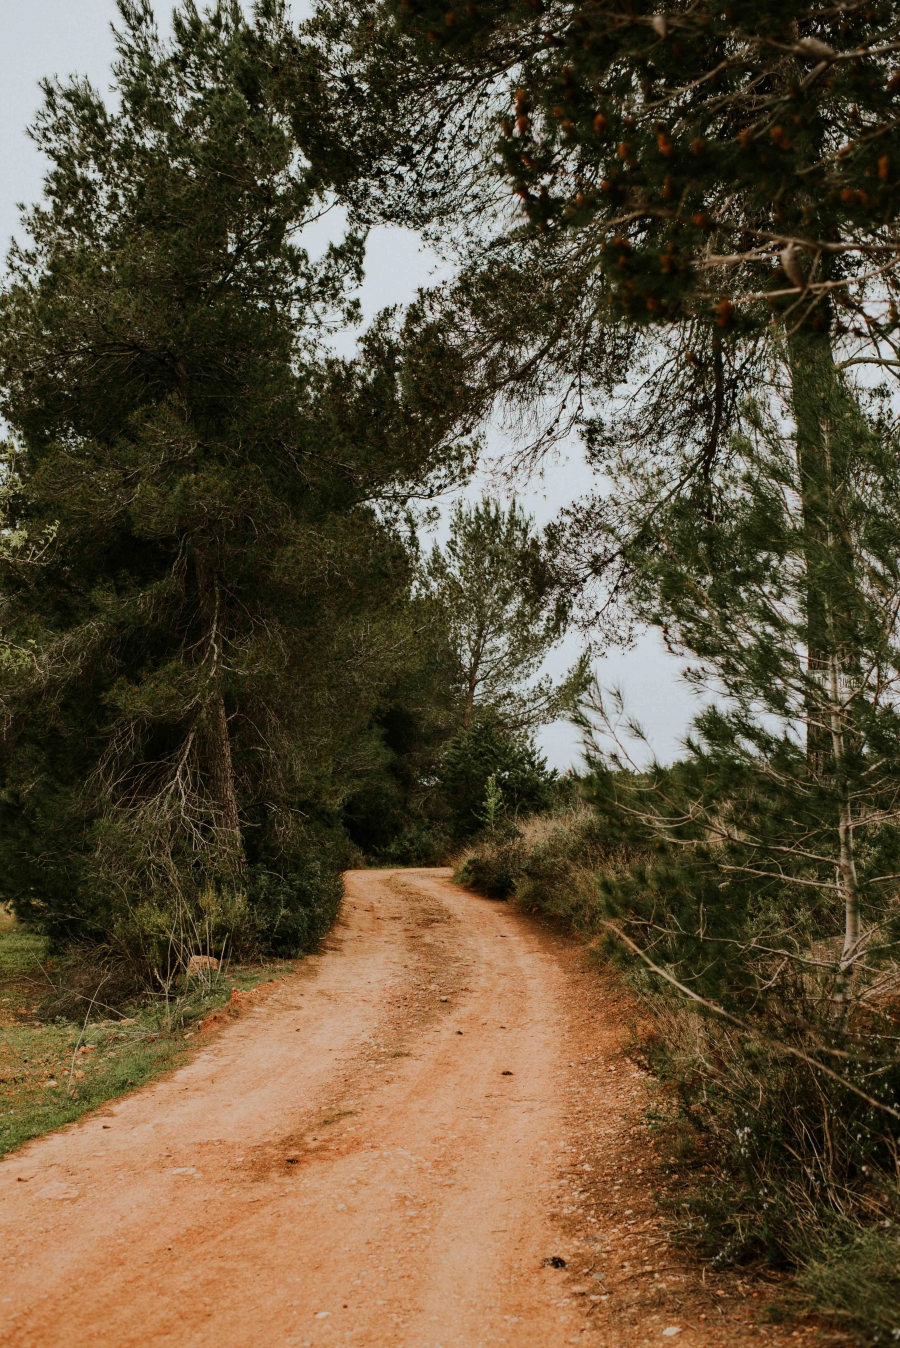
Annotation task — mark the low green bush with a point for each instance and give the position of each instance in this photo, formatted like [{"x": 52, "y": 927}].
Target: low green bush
[{"x": 291, "y": 911}]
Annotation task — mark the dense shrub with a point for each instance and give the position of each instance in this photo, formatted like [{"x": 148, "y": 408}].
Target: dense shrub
[
  {"x": 291, "y": 912},
  {"x": 488, "y": 750},
  {"x": 493, "y": 870},
  {"x": 421, "y": 842},
  {"x": 282, "y": 905}
]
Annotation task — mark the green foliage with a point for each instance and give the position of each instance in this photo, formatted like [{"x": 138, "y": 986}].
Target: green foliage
[
  {"x": 291, "y": 909},
  {"x": 475, "y": 756},
  {"x": 785, "y": 602},
  {"x": 395, "y": 814},
  {"x": 482, "y": 622},
  {"x": 491, "y": 587},
  {"x": 493, "y": 803},
  {"x": 204, "y": 574},
  {"x": 420, "y": 842}
]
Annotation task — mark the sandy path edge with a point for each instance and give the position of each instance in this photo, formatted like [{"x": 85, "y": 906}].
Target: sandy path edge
[{"x": 385, "y": 1151}]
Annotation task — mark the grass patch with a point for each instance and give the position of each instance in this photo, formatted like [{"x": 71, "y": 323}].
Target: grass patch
[
  {"x": 856, "y": 1282},
  {"x": 54, "y": 1070},
  {"x": 21, "y": 953}
]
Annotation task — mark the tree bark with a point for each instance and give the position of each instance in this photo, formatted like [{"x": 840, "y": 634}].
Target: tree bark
[
  {"x": 215, "y": 741},
  {"x": 812, "y": 372},
  {"x": 847, "y": 862},
  {"x": 470, "y": 700},
  {"x": 218, "y": 765},
  {"x": 824, "y": 413}
]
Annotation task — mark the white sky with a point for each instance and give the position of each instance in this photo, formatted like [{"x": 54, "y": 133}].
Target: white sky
[{"x": 63, "y": 37}]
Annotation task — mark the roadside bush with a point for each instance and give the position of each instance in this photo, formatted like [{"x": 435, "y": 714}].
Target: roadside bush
[
  {"x": 138, "y": 941},
  {"x": 775, "y": 1161},
  {"x": 492, "y": 869},
  {"x": 794, "y": 1156},
  {"x": 292, "y": 912},
  {"x": 549, "y": 862}
]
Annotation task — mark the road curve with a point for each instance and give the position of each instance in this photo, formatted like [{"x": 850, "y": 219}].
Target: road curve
[{"x": 362, "y": 1158}]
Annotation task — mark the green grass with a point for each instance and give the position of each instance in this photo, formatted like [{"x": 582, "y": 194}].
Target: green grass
[
  {"x": 855, "y": 1280},
  {"x": 21, "y": 952},
  {"x": 52, "y": 1072}
]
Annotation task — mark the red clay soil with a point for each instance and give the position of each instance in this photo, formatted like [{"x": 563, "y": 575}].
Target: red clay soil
[{"x": 395, "y": 1147}]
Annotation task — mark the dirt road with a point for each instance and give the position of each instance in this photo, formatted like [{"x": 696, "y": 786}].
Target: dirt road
[{"x": 387, "y": 1150}]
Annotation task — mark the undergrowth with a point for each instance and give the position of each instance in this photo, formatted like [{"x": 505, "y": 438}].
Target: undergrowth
[{"x": 769, "y": 1162}]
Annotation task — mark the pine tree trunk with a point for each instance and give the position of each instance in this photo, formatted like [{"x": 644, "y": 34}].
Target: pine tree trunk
[
  {"x": 847, "y": 863},
  {"x": 215, "y": 741},
  {"x": 218, "y": 766},
  {"x": 812, "y": 377},
  {"x": 822, "y": 407},
  {"x": 470, "y": 701}
]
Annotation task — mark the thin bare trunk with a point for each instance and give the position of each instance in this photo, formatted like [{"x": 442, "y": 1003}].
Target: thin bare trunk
[
  {"x": 847, "y": 862},
  {"x": 470, "y": 699},
  {"x": 812, "y": 370},
  {"x": 818, "y": 399},
  {"x": 836, "y": 718},
  {"x": 215, "y": 741}
]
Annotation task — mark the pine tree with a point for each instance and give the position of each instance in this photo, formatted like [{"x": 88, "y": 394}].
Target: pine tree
[
  {"x": 490, "y": 586},
  {"x": 733, "y": 597},
  {"x": 202, "y": 586},
  {"x": 764, "y": 891}
]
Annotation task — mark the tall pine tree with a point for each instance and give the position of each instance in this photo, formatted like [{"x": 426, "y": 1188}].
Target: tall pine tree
[{"x": 202, "y": 588}]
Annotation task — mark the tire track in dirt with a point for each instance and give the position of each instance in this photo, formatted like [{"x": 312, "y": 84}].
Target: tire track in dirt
[{"x": 384, "y": 1152}]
